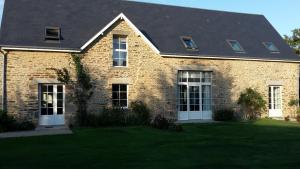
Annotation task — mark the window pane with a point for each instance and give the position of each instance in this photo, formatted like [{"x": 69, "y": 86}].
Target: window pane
[
  {"x": 60, "y": 96},
  {"x": 123, "y": 55},
  {"x": 115, "y": 95},
  {"x": 207, "y": 77},
  {"x": 50, "y": 111},
  {"x": 60, "y": 89},
  {"x": 115, "y": 88},
  {"x": 182, "y": 76},
  {"x": 44, "y": 111},
  {"x": 115, "y": 103},
  {"x": 206, "y": 97},
  {"x": 116, "y": 44},
  {"x": 50, "y": 88},
  {"x": 123, "y": 103},
  {"x": 59, "y": 103},
  {"x": 123, "y": 87},
  {"x": 235, "y": 45},
  {"x": 123, "y": 43},
  {"x": 123, "y": 96},
  {"x": 59, "y": 110},
  {"x": 194, "y": 77},
  {"x": 44, "y": 88}
]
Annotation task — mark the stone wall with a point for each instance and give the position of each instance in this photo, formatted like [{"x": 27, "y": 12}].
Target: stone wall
[{"x": 151, "y": 78}]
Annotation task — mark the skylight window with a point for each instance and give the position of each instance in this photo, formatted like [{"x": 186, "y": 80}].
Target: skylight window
[
  {"x": 236, "y": 46},
  {"x": 271, "y": 47},
  {"x": 52, "y": 33},
  {"x": 189, "y": 43}
]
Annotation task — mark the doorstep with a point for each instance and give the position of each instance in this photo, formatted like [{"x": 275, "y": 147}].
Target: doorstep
[
  {"x": 39, "y": 131},
  {"x": 195, "y": 121}
]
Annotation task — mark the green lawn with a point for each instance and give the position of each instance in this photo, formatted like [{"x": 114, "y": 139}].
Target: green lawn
[{"x": 257, "y": 145}]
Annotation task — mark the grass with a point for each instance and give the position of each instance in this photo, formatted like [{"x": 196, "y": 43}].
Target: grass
[{"x": 257, "y": 145}]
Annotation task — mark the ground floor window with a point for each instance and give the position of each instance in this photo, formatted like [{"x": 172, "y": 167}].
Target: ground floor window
[
  {"x": 195, "y": 92},
  {"x": 119, "y": 95}
]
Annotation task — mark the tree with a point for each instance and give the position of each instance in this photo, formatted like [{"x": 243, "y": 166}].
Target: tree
[
  {"x": 252, "y": 103},
  {"x": 294, "y": 40},
  {"x": 82, "y": 87}
]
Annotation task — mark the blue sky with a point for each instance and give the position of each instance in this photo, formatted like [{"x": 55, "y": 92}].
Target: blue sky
[{"x": 283, "y": 14}]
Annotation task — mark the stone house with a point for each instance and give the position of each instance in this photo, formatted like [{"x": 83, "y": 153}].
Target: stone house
[{"x": 183, "y": 62}]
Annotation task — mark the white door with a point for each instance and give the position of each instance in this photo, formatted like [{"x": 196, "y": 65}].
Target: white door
[
  {"x": 194, "y": 94},
  {"x": 275, "y": 101},
  {"x": 52, "y": 104}
]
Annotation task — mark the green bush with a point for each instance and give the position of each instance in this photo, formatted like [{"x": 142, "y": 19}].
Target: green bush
[
  {"x": 160, "y": 122},
  {"x": 141, "y": 112},
  {"x": 224, "y": 115},
  {"x": 252, "y": 103},
  {"x": 9, "y": 123}
]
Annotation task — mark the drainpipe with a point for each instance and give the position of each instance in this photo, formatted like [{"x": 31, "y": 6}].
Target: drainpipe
[{"x": 4, "y": 69}]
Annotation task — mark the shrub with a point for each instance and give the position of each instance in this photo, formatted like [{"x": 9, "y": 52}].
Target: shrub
[
  {"x": 160, "y": 122},
  {"x": 287, "y": 118},
  {"x": 141, "y": 111},
  {"x": 175, "y": 127},
  {"x": 252, "y": 103},
  {"x": 9, "y": 123},
  {"x": 298, "y": 118},
  {"x": 224, "y": 115}
]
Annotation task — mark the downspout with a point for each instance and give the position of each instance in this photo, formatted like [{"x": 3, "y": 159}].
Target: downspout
[{"x": 4, "y": 89}]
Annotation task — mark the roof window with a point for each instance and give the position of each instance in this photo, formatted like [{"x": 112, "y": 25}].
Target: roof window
[
  {"x": 189, "y": 43},
  {"x": 270, "y": 46},
  {"x": 236, "y": 46},
  {"x": 52, "y": 33}
]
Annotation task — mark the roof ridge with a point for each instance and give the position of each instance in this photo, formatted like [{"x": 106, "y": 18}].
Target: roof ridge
[{"x": 188, "y": 7}]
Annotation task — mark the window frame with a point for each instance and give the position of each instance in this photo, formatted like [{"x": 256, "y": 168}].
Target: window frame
[
  {"x": 240, "y": 46},
  {"x": 52, "y": 38},
  {"x": 120, "y": 50},
  {"x": 271, "y": 105},
  {"x": 183, "y": 38},
  {"x": 272, "y": 51},
  {"x": 188, "y": 84},
  {"x": 119, "y": 99}
]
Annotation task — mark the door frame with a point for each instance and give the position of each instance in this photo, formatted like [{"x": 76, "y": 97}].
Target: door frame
[
  {"x": 198, "y": 115},
  {"x": 274, "y": 112},
  {"x": 55, "y": 119}
]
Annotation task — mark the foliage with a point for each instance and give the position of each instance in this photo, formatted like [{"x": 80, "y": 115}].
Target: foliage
[
  {"x": 175, "y": 127},
  {"x": 298, "y": 118},
  {"x": 294, "y": 40},
  {"x": 9, "y": 123},
  {"x": 82, "y": 86},
  {"x": 252, "y": 103},
  {"x": 160, "y": 122},
  {"x": 141, "y": 112},
  {"x": 224, "y": 115},
  {"x": 287, "y": 118},
  {"x": 294, "y": 102}
]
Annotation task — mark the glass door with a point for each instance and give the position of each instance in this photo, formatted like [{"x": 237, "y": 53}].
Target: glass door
[
  {"x": 52, "y": 104},
  {"x": 275, "y": 101}
]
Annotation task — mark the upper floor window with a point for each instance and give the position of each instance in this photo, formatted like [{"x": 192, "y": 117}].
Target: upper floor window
[
  {"x": 52, "y": 33},
  {"x": 189, "y": 43},
  {"x": 271, "y": 47},
  {"x": 236, "y": 46},
  {"x": 120, "y": 50}
]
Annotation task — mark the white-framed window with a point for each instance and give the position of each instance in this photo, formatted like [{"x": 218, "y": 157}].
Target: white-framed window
[
  {"x": 120, "y": 51},
  {"x": 194, "y": 91},
  {"x": 120, "y": 95}
]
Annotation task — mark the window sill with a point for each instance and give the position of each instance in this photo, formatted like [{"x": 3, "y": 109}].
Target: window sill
[{"x": 119, "y": 67}]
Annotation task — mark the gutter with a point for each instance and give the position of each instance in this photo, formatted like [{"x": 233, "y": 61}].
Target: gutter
[{"x": 4, "y": 82}]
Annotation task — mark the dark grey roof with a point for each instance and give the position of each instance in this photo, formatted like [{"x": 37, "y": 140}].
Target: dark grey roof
[{"x": 24, "y": 22}]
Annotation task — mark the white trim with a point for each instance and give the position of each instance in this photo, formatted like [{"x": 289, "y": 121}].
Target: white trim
[
  {"x": 37, "y": 49},
  {"x": 121, "y": 16},
  {"x": 226, "y": 58}
]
